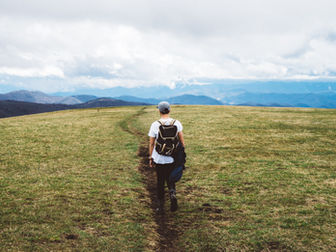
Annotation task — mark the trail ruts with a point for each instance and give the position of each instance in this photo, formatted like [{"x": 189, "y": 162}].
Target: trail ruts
[{"x": 166, "y": 229}]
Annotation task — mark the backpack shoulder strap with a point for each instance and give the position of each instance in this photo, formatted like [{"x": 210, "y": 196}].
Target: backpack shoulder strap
[{"x": 171, "y": 123}]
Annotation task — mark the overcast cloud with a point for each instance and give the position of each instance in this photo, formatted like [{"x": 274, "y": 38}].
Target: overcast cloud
[{"x": 62, "y": 45}]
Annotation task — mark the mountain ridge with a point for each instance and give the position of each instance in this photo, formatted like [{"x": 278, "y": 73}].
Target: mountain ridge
[
  {"x": 38, "y": 97},
  {"x": 319, "y": 100},
  {"x": 214, "y": 88},
  {"x": 9, "y": 108},
  {"x": 185, "y": 99},
  {"x": 324, "y": 96}
]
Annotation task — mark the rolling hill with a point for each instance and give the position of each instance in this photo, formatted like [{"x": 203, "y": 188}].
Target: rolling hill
[
  {"x": 85, "y": 98},
  {"x": 17, "y": 108},
  {"x": 138, "y": 99},
  {"x": 38, "y": 97},
  {"x": 194, "y": 100},
  {"x": 309, "y": 96},
  {"x": 182, "y": 99},
  {"x": 107, "y": 102},
  {"x": 31, "y": 102},
  {"x": 262, "y": 181},
  {"x": 235, "y": 92}
]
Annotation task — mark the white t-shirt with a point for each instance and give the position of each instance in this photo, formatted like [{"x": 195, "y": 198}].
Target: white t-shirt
[{"x": 154, "y": 131}]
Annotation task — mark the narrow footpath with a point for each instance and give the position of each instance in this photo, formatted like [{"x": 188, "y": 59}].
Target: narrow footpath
[{"x": 166, "y": 230}]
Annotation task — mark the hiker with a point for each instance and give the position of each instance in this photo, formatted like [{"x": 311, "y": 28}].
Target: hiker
[{"x": 161, "y": 153}]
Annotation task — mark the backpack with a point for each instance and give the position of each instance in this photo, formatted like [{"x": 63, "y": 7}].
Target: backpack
[{"x": 167, "y": 139}]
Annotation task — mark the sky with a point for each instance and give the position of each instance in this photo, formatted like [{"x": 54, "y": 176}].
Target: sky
[{"x": 65, "y": 45}]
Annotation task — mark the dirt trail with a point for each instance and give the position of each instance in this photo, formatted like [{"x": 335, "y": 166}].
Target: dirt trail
[{"x": 166, "y": 230}]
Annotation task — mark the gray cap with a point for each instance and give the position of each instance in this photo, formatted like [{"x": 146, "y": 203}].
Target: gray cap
[{"x": 164, "y": 107}]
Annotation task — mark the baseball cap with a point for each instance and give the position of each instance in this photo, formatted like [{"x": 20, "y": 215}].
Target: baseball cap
[{"x": 164, "y": 107}]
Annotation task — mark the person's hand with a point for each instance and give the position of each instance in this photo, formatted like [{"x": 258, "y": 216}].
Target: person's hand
[{"x": 151, "y": 162}]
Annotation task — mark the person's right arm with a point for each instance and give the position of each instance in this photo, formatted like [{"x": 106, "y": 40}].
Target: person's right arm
[{"x": 151, "y": 147}]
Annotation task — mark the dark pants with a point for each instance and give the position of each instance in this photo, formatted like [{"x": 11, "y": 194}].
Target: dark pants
[{"x": 162, "y": 172}]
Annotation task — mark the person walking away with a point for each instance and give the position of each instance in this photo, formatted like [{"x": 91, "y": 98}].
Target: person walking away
[{"x": 165, "y": 136}]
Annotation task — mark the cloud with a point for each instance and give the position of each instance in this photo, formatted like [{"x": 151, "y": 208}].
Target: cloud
[
  {"x": 130, "y": 43},
  {"x": 32, "y": 72}
]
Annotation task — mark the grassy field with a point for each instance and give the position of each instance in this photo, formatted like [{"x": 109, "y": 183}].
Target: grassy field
[
  {"x": 258, "y": 179},
  {"x": 68, "y": 181}
]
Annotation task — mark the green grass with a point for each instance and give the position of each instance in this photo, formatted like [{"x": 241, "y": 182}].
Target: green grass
[
  {"x": 258, "y": 179},
  {"x": 266, "y": 177},
  {"x": 69, "y": 180}
]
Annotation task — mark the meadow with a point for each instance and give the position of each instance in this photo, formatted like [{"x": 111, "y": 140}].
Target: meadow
[{"x": 257, "y": 179}]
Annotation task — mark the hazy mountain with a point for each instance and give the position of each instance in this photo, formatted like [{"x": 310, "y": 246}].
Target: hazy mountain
[
  {"x": 66, "y": 100},
  {"x": 217, "y": 89},
  {"x": 38, "y": 97},
  {"x": 138, "y": 99},
  {"x": 319, "y": 100},
  {"x": 85, "y": 98},
  {"x": 251, "y": 104},
  {"x": 182, "y": 99},
  {"x": 194, "y": 100},
  {"x": 320, "y": 94},
  {"x": 16, "y": 108},
  {"x": 265, "y": 93},
  {"x": 107, "y": 102},
  {"x": 28, "y": 96}
]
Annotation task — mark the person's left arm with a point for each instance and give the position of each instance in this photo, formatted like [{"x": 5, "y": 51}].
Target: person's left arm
[{"x": 180, "y": 135}]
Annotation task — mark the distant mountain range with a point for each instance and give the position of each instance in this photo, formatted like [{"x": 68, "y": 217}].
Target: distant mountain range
[
  {"x": 315, "y": 100},
  {"x": 84, "y": 98},
  {"x": 38, "y": 97},
  {"x": 217, "y": 89},
  {"x": 308, "y": 94},
  {"x": 107, "y": 102},
  {"x": 315, "y": 93},
  {"x": 17, "y": 108},
  {"x": 29, "y": 102},
  {"x": 182, "y": 99}
]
